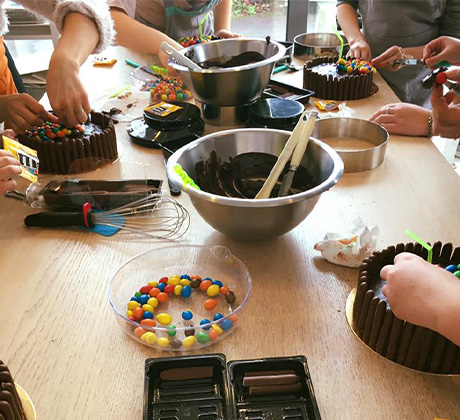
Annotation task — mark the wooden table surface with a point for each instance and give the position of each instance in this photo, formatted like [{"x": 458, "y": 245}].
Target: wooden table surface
[{"x": 60, "y": 338}]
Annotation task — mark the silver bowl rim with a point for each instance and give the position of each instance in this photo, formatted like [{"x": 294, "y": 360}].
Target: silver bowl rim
[
  {"x": 281, "y": 52},
  {"x": 333, "y": 178},
  {"x": 297, "y": 37}
]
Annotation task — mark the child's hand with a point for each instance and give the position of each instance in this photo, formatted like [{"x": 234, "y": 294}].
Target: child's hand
[
  {"x": 360, "y": 50},
  {"x": 417, "y": 290},
  {"x": 446, "y": 109},
  {"x": 225, "y": 33},
  {"x": 444, "y": 48},
  {"x": 8, "y": 168},
  {"x": 21, "y": 112}
]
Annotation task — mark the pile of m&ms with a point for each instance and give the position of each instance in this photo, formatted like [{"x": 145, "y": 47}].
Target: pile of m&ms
[
  {"x": 51, "y": 131},
  {"x": 454, "y": 269},
  {"x": 167, "y": 89},
  {"x": 186, "y": 41},
  {"x": 148, "y": 299},
  {"x": 354, "y": 67}
]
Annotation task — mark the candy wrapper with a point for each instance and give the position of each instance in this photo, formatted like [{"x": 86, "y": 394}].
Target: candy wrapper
[
  {"x": 26, "y": 156},
  {"x": 342, "y": 110},
  {"x": 349, "y": 251}
]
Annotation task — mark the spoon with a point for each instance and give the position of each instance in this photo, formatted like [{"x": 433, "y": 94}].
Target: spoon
[{"x": 178, "y": 56}]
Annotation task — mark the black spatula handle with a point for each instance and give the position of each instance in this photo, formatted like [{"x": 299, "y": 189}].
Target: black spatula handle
[{"x": 55, "y": 219}]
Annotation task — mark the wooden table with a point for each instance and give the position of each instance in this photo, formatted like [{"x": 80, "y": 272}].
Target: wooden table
[{"x": 59, "y": 336}]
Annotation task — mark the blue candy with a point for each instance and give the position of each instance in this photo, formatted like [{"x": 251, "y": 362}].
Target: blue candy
[
  {"x": 204, "y": 322},
  {"x": 143, "y": 299},
  {"x": 217, "y": 317},
  {"x": 186, "y": 291},
  {"x": 208, "y": 278},
  {"x": 147, "y": 315},
  {"x": 452, "y": 268},
  {"x": 187, "y": 315},
  {"x": 219, "y": 283},
  {"x": 161, "y": 286},
  {"x": 185, "y": 276},
  {"x": 136, "y": 299},
  {"x": 226, "y": 324}
]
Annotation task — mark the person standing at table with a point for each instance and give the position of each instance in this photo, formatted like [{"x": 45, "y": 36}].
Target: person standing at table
[
  {"x": 86, "y": 27},
  {"x": 143, "y": 25},
  {"x": 395, "y": 29}
]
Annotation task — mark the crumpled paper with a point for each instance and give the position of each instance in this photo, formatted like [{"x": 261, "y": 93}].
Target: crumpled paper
[
  {"x": 352, "y": 250},
  {"x": 342, "y": 111}
]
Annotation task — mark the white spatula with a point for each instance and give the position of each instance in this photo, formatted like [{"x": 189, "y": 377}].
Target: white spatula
[{"x": 178, "y": 56}]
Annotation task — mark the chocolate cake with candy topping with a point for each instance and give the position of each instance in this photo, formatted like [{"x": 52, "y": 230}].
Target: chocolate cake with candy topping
[
  {"x": 10, "y": 403},
  {"x": 340, "y": 80},
  {"x": 400, "y": 341},
  {"x": 82, "y": 148}
]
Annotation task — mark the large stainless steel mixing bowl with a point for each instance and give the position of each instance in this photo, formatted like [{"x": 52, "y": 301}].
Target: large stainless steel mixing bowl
[
  {"x": 255, "y": 219},
  {"x": 230, "y": 86},
  {"x": 309, "y": 46}
]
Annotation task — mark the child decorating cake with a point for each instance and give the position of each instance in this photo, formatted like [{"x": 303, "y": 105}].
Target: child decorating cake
[{"x": 144, "y": 25}]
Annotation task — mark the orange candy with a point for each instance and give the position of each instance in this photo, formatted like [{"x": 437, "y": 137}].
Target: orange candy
[
  {"x": 213, "y": 335},
  {"x": 205, "y": 284},
  {"x": 210, "y": 304},
  {"x": 149, "y": 322},
  {"x": 232, "y": 318},
  {"x": 162, "y": 297},
  {"x": 154, "y": 292},
  {"x": 139, "y": 331},
  {"x": 138, "y": 312},
  {"x": 223, "y": 290}
]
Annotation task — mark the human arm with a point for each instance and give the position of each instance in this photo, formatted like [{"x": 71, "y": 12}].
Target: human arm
[
  {"x": 222, "y": 20},
  {"x": 139, "y": 37},
  {"x": 444, "y": 48},
  {"x": 423, "y": 294},
  {"x": 348, "y": 21},
  {"x": 403, "y": 119},
  {"x": 9, "y": 167},
  {"x": 446, "y": 108}
]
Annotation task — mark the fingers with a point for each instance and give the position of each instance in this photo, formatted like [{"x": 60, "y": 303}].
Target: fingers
[
  {"x": 386, "y": 59},
  {"x": 432, "y": 53},
  {"x": 9, "y": 167},
  {"x": 453, "y": 74},
  {"x": 7, "y": 186},
  {"x": 437, "y": 100},
  {"x": 406, "y": 256},
  {"x": 385, "y": 271},
  {"x": 9, "y": 133}
]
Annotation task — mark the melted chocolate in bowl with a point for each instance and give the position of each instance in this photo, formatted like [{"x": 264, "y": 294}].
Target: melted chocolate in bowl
[
  {"x": 244, "y": 175},
  {"x": 248, "y": 57}
]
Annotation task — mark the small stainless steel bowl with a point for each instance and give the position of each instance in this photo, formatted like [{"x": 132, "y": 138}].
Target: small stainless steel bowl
[
  {"x": 255, "y": 219},
  {"x": 308, "y": 46},
  {"x": 235, "y": 85},
  {"x": 355, "y": 160}
]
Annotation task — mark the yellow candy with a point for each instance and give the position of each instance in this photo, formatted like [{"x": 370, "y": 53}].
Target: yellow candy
[
  {"x": 342, "y": 61},
  {"x": 129, "y": 313},
  {"x": 178, "y": 290},
  {"x": 153, "y": 283},
  {"x": 174, "y": 280},
  {"x": 213, "y": 290},
  {"x": 374, "y": 70},
  {"x": 147, "y": 307},
  {"x": 216, "y": 328},
  {"x": 153, "y": 302},
  {"x": 144, "y": 336},
  {"x": 189, "y": 341},
  {"x": 163, "y": 342},
  {"x": 132, "y": 304},
  {"x": 164, "y": 319},
  {"x": 150, "y": 338},
  {"x": 185, "y": 282}
]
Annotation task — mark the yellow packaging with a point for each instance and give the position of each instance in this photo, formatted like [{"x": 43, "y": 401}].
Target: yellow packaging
[
  {"x": 104, "y": 61},
  {"x": 162, "y": 109},
  {"x": 327, "y": 105},
  {"x": 26, "y": 156}
]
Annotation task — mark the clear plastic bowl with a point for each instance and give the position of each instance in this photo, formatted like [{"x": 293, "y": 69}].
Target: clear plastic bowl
[{"x": 216, "y": 262}]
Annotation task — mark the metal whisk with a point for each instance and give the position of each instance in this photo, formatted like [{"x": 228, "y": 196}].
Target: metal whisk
[{"x": 155, "y": 215}]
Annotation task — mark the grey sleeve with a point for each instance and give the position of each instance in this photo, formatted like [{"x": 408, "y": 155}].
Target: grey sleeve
[
  {"x": 450, "y": 20},
  {"x": 353, "y": 3}
]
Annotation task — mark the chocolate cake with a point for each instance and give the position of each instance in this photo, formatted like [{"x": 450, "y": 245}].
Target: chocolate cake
[
  {"x": 244, "y": 175},
  {"x": 10, "y": 403},
  {"x": 83, "y": 148},
  {"x": 398, "y": 340},
  {"x": 343, "y": 80}
]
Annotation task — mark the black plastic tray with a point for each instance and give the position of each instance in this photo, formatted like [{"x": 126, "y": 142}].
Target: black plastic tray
[
  {"x": 223, "y": 396},
  {"x": 73, "y": 193},
  {"x": 282, "y": 90}
]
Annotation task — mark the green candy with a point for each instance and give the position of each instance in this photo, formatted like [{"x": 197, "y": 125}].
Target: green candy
[
  {"x": 171, "y": 330},
  {"x": 202, "y": 337}
]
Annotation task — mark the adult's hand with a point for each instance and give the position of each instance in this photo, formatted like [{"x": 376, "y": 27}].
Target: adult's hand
[
  {"x": 66, "y": 93},
  {"x": 386, "y": 59},
  {"x": 446, "y": 109},
  {"x": 21, "y": 112},
  {"x": 403, "y": 118},
  {"x": 444, "y": 48},
  {"x": 360, "y": 50},
  {"x": 9, "y": 167}
]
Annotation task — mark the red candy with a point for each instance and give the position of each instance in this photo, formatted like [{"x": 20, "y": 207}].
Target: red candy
[
  {"x": 164, "y": 280},
  {"x": 145, "y": 289},
  {"x": 441, "y": 78},
  {"x": 169, "y": 289}
]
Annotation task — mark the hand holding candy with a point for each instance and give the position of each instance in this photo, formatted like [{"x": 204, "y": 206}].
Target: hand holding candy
[
  {"x": 446, "y": 109},
  {"x": 441, "y": 49},
  {"x": 21, "y": 112},
  {"x": 360, "y": 49},
  {"x": 419, "y": 292}
]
